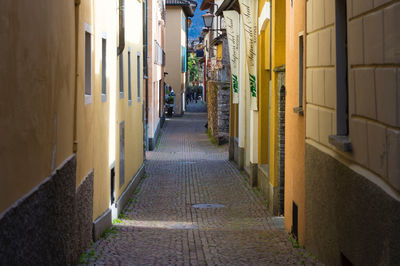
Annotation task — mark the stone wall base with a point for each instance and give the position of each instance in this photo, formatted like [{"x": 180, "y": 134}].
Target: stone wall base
[
  {"x": 269, "y": 192},
  {"x": 241, "y": 158},
  {"x": 153, "y": 140},
  {"x": 51, "y": 225},
  {"x": 101, "y": 224},
  {"x": 348, "y": 215},
  {"x": 127, "y": 194},
  {"x": 235, "y": 150},
  {"x": 231, "y": 148},
  {"x": 253, "y": 169}
]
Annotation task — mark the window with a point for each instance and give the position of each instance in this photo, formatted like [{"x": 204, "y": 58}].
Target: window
[
  {"x": 299, "y": 109},
  {"x": 129, "y": 79},
  {"x": 88, "y": 65},
  {"x": 112, "y": 185},
  {"x": 103, "y": 69},
  {"x": 121, "y": 75},
  {"x": 341, "y": 140},
  {"x": 160, "y": 98},
  {"x": 138, "y": 76},
  {"x": 121, "y": 153},
  {"x": 183, "y": 58},
  {"x": 159, "y": 55}
]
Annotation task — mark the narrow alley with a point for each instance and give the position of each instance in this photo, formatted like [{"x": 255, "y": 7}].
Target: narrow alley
[
  {"x": 200, "y": 132},
  {"x": 170, "y": 221}
]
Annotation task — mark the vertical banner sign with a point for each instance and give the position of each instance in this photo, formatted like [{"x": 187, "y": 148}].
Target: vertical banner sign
[
  {"x": 248, "y": 10},
  {"x": 232, "y": 30}
]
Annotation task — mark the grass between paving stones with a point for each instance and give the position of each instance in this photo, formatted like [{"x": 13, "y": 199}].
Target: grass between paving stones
[
  {"x": 211, "y": 137},
  {"x": 301, "y": 250},
  {"x": 159, "y": 139},
  {"x": 122, "y": 215},
  {"x": 112, "y": 231},
  {"x": 117, "y": 221},
  {"x": 86, "y": 257}
]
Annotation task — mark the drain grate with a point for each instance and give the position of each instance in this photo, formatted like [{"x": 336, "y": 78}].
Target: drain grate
[{"x": 208, "y": 206}]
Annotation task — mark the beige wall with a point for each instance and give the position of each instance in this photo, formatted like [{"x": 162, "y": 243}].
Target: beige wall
[
  {"x": 320, "y": 73},
  {"x": 175, "y": 38},
  {"x": 156, "y": 33},
  {"x": 373, "y": 77},
  {"x": 37, "y": 93}
]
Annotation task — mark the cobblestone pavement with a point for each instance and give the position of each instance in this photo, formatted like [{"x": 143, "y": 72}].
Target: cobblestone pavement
[
  {"x": 200, "y": 106},
  {"x": 161, "y": 226}
]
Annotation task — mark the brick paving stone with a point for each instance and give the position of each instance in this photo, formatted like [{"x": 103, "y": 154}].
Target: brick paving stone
[
  {"x": 196, "y": 107},
  {"x": 162, "y": 228}
]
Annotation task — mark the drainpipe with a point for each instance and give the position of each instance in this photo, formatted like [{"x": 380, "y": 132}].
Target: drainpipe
[
  {"x": 75, "y": 126},
  {"x": 145, "y": 76},
  {"x": 121, "y": 44}
]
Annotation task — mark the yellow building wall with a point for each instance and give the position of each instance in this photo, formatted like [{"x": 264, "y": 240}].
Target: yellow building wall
[
  {"x": 294, "y": 123},
  {"x": 37, "y": 93},
  {"x": 95, "y": 150},
  {"x": 131, "y": 113},
  {"x": 85, "y": 108},
  {"x": 278, "y": 59},
  {"x": 105, "y": 20},
  {"x": 263, "y": 87},
  {"x": 219, "y": 51}
]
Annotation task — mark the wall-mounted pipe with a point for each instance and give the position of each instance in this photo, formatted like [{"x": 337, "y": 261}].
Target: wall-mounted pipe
[
  {"x": 75, "y": 129},
  {"x": 121, "y": 44}
]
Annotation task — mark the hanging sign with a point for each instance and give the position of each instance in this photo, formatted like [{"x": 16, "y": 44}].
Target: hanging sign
[
  {"x": 248, "y": 10},
  {"x": 231, "y": 18}
]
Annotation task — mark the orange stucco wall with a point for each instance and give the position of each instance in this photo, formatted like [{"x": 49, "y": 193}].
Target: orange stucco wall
[{"x": 295, "y": 123}]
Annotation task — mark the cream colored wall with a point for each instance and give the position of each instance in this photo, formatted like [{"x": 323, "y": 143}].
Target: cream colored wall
[
  {"x": 156, "y": 72},
  {"x": 373, "y": 85},
  {"x": 131, "y": 114},
  {"x": 242, "y": 89},
  {"x": 175, "y": 77},
  {"x": 37, "y": 93}
]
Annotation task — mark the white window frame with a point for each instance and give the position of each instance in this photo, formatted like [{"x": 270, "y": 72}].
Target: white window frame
[
  {"x": 138, "y": 62},
  {"x": 88, "y": 97},
  {"x": 121, "y": 75},
  {"x": 129, "y": 77},
  {"x": 103, "y": 65}
]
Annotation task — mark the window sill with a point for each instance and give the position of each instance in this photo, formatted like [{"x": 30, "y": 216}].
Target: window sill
[
  {"x": 103, "y": 98},
  {"x": 88, "y": 99},
  {"x": 121, "y": 95},
  {"x": 341, "y": 142},
  {"x": 129, "y": 102},
  {"x": 298, "y": 110},
  {"x": 138, "y": 99}
]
